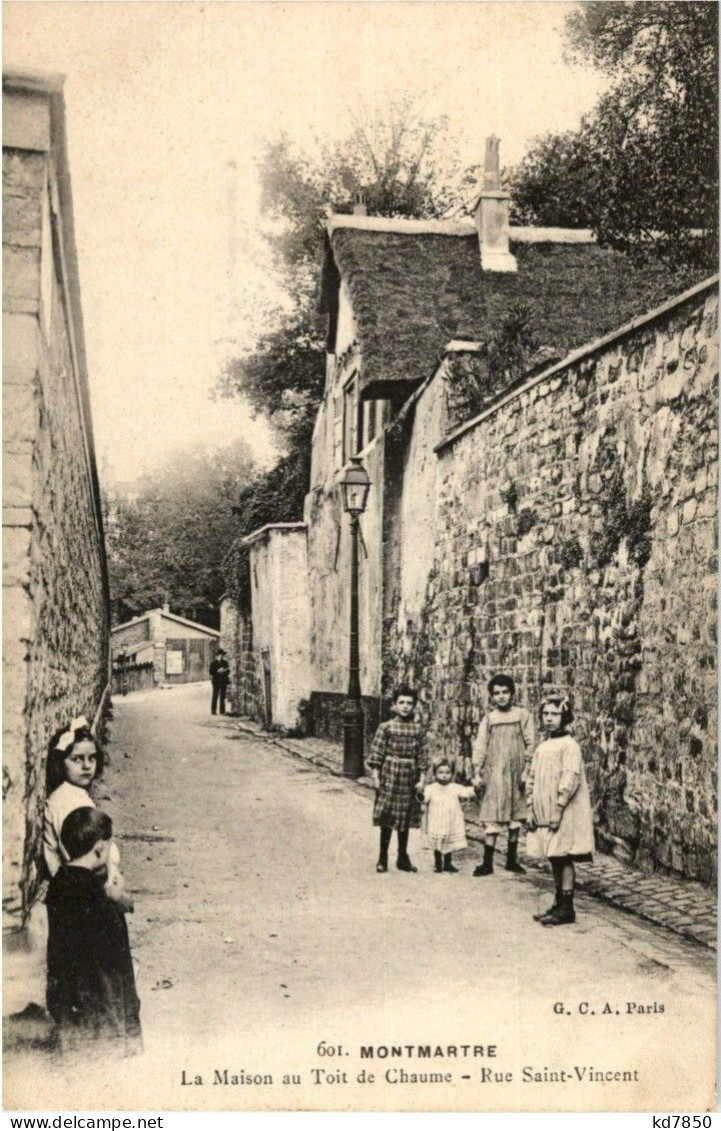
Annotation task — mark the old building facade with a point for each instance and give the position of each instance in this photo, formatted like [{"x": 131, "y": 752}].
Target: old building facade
[
  {"x": 175, "y": 649},
  {"x": 55, "y": 589},
  {"x": 547, "y": 523}
]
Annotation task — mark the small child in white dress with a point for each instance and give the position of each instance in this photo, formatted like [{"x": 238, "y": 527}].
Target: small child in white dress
[{"x": 444, "y": 823}]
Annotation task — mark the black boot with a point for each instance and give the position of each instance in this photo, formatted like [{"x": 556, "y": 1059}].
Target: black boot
[
  {"x": 448, "y": 863},
  {"x": 563, "y": 914},
  {"x": 512, "y": 864},
  {"x": 541, "y": 915},
  {"x": 382, "y": 865},
  {"x": 438, "y": 857},
  {"x": 486, "y": 868},
  {"x": 403, "y": 863}
]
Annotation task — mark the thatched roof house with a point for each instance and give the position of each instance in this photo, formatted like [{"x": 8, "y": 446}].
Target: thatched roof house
[{"x": 416, "y": 285}]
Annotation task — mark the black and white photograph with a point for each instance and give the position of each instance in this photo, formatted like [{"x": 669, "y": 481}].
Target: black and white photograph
[{"x": 360, "y": 502}]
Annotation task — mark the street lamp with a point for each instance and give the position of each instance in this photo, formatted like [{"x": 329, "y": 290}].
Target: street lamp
[{"x": 355, "y": 485}]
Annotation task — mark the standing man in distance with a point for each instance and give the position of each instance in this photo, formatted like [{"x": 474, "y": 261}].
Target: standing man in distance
[{"x": 219, "y": 674}]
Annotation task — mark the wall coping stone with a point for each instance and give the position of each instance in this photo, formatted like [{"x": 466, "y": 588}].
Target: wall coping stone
[
  {"x": 570, "y": 360},
  {"x": 403, "y": 226},
  {"x": 264, "y": 531}
]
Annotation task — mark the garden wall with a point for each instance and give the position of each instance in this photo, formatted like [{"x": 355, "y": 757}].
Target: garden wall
[{"x": 568, "y": 535}]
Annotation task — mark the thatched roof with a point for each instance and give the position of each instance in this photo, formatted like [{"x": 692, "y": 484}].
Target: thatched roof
[{"x": 413, "y": 291}]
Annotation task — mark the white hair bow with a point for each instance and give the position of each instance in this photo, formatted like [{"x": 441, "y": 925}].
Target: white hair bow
[{"x": 67, "y": 738}]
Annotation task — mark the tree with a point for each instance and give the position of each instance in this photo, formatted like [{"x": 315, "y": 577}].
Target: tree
[
  {"x": 406, "y": 164},
  {"x": 169, "y": 544},
  {"x": 642, "y": 169},
  {"x": 282, "y": 377},
  {"x": 553, "y": 185}
]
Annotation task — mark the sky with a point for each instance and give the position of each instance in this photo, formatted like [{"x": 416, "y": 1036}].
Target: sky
[{"x": 167, "y": 106}]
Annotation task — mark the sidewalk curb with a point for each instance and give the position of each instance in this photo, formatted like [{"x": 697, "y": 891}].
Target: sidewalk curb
[{"x": 702, "y": 934}]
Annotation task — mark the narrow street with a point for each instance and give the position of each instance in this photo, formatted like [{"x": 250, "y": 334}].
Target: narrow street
[{"x": 262, "y": 929}]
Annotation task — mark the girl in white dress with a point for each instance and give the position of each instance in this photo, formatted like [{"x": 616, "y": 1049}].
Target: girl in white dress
[
  {"x": 560, "y": 819},
  {"x": 444, "y": 822},
  {"x": 74, "y": 762}
]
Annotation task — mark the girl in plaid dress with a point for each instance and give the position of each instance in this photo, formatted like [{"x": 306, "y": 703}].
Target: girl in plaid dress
[{"x": 398, "y": 761}]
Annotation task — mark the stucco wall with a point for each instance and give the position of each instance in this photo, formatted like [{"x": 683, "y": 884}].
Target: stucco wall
[
  {"x": 281, "y": 626},
  {"x": 573, "y": 545},
  {"x": 329, "y": 542},
  {"x": 329, "y": 581},
  {"x": 55, "y": 624}
]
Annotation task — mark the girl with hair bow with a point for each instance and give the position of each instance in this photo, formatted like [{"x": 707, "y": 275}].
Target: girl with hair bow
[
  {"x": 75, "y": 760},
  {"x": 560, "y": 819}
]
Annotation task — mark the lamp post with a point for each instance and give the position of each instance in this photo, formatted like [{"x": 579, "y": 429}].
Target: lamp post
[{"x": 355, "y": 485}]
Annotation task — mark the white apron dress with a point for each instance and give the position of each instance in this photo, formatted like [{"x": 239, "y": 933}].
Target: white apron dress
[
  {"x": 444, "y": 823},
  {"x": 502, "y": 747},
  {"x": 557, "y": 790}
]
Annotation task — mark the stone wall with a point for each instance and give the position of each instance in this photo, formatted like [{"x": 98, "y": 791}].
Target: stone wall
[
  {"x": 236, "y": 636},
  {"x": 568, "y": 537},
  {"x": 132, "y": 633},
  {"x": 55, "y": 625}
]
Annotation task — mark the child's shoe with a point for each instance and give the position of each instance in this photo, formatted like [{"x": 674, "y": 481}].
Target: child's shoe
[
  {"x": 541, "y": 915},
  {"x": 486, "y": 868},
  {"x": 448, "y": 865},
  {"x": 438, "y": 857},
  {"x": 403, "y": 864},
  {"x": 512, "y": 864},
  {"x": 563, "y": 914}
]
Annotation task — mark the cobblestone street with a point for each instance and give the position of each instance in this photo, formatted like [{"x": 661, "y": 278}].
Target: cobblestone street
[{"x": 261, "y": 929}]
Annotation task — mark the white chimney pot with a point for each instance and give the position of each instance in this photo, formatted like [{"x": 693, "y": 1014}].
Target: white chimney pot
[
  {"x": 492, "y": 215},
  {"x": 359, "y": 203}
]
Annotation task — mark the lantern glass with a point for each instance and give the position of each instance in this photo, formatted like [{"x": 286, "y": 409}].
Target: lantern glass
[{"x": 355, "y": 485}]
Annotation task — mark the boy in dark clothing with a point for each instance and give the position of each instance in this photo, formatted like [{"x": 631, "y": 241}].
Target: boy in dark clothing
[
  {"x": 91, "y": 986},
  {"x": 219, "y": 674}
]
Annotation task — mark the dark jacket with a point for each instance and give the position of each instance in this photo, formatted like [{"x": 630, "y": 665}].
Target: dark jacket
[
  {"x": 219, "y": 671},
  {"x": 91, "y": 986}
]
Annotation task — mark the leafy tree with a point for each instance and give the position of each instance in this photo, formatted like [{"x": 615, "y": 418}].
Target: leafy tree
[
  {"x": 169, "y": 544},
  {"x": 406, "y": 164},
  {"x": 553, "y": 187},
  {"x": 642, "y": 169},
  {"x": 282, "y": 377}
]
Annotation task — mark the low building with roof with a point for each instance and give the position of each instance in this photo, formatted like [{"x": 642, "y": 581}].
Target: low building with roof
[{"x": 180, "y": 650}]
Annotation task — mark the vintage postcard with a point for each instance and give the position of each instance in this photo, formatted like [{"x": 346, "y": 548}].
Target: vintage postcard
[{"x": 360, "y": 488}]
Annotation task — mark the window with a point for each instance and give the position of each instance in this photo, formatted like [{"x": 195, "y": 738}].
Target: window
[
  {"x": 338, "y": 430},
  {"x": 351, "y": 413},
  {"x": 369, "y": 417},
  {"x": 374, "y": 418}
]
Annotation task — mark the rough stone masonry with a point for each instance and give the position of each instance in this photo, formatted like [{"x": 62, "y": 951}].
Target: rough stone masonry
[
  {"x": 55, "y": 623},
  {"x": 568, "y": 536}
]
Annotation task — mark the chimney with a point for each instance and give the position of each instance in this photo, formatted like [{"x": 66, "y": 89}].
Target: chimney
[
  {"x": 492, "y": 215},
  {"x": 166, "y": 606},
  {"x": 359, "y": 203}
]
